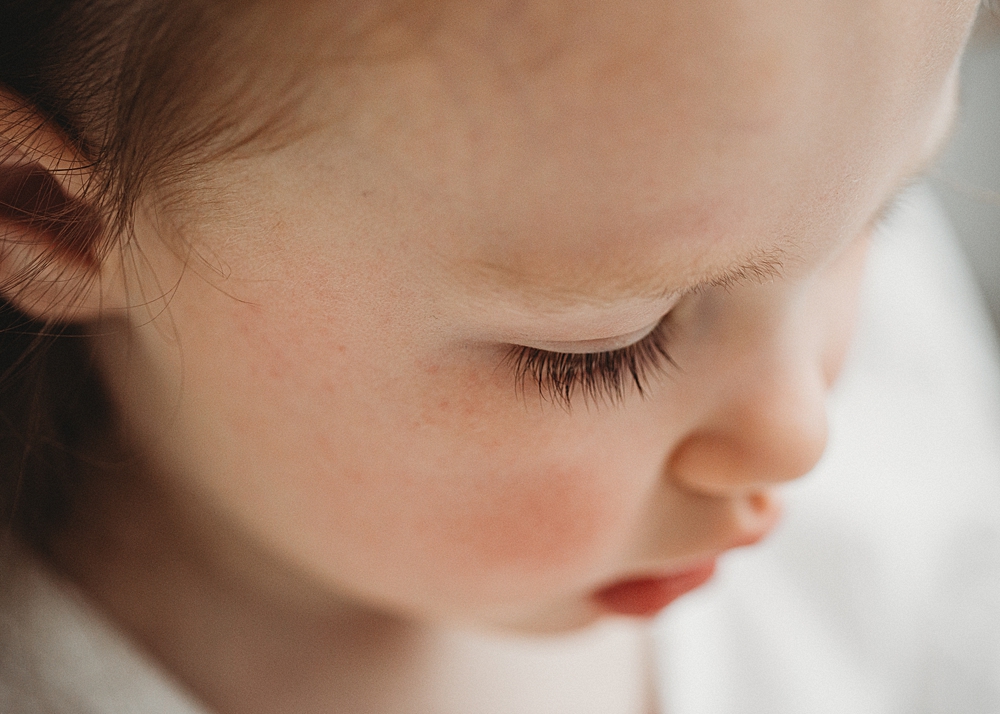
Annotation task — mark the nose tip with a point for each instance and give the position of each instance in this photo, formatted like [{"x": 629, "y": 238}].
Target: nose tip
[{"x": 753, "y": 449}]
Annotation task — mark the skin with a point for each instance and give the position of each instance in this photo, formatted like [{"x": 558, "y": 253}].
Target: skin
[{"x": 331, "y": 452}]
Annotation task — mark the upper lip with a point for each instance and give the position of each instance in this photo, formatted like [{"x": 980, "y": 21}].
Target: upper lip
[
  {"x": 687, "y": 564},
  {"x": 750, "y": 538},
  {"x": 688, "y": 568}
]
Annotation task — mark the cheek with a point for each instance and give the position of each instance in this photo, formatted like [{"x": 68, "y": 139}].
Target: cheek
[
  {"x": 491, "y": 515},
  {"x": 545, "y": 524},
  {"x": 487, "y": 506},
  {"x": 456, "y": 494},
  {"x": 519, "y": 493}
]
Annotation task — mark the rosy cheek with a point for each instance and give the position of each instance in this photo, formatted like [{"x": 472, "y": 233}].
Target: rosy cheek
[
  {"x": 518, "y": 503},
  {"x": 543, "y": 525}
]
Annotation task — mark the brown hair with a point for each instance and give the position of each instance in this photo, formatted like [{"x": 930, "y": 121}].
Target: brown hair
[
  {"x": 125, "y": 81},
  {"x": 147, "y": 92}
]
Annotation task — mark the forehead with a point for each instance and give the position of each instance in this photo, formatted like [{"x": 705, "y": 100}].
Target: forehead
[{"x": 588, "y": 146}]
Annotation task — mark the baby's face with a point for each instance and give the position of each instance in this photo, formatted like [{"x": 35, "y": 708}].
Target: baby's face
[{"x": 364, "y": 364}]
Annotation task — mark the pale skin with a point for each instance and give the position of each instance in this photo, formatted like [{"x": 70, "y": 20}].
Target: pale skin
[{"x": 332, "y": 453}]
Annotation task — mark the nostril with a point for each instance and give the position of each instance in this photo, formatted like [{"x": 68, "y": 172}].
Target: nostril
[{"x": 758, "y": 513}]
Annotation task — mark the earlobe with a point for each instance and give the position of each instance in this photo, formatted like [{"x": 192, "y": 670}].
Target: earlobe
[{"x": 50, "y": 232}]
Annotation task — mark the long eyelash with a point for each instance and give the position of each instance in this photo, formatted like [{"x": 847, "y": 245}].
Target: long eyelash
[{"x": 599, "y": 376}]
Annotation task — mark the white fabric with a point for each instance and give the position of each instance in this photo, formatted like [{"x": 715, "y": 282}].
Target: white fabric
[
  {"x": 881, "y": 590},
  {"x": 880, "y": 593},
  {"x": 60, "y": 656}
]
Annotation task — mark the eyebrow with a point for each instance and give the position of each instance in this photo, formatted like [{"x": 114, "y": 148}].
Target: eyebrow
[
  {"x": 759, "y": 267},
  {"x": 764, "y": 266}
]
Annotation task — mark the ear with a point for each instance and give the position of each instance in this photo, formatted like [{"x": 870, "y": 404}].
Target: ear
[{"x": 50, "y": 230}]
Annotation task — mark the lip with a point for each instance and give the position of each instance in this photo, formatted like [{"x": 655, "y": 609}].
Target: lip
[{"x": 646, "y": 596}]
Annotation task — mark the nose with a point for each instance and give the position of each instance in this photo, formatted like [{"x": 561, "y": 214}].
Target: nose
[{"x": 770, "y": 427}]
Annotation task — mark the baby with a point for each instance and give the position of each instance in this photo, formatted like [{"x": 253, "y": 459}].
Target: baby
[{"x": 411, "y": 318}]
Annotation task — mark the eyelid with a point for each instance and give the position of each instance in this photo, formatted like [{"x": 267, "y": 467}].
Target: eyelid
[
  {"x": 597, "y": 376},
  {"x": 609, "y": 344}
]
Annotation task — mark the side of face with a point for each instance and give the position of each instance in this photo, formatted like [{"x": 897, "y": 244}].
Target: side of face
[{"x": 331, "y": 372}]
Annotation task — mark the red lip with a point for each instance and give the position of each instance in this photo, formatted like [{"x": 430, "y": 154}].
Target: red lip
[
  {"x": 647, "y": 595},
  {"x": 644, "y": 597}
]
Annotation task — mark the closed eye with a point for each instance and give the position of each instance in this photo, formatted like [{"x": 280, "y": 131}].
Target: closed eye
[{"x": 597, "y": 376}]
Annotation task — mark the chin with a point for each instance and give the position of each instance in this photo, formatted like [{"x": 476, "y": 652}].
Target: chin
[{"x": 562, "y": 619}]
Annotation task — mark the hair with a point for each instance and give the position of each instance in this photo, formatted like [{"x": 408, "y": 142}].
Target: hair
[
  {"x": 147, "y": 93},
  {"x": 126, "y": 82}
]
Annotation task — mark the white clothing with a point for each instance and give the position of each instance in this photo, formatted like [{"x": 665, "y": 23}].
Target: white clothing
[
  {"x": 879, "y": 594},
  {"x": 58, "y": 655}
]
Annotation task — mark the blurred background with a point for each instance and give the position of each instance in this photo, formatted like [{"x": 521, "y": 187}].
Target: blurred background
[{"x": 967, "y": 179}]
